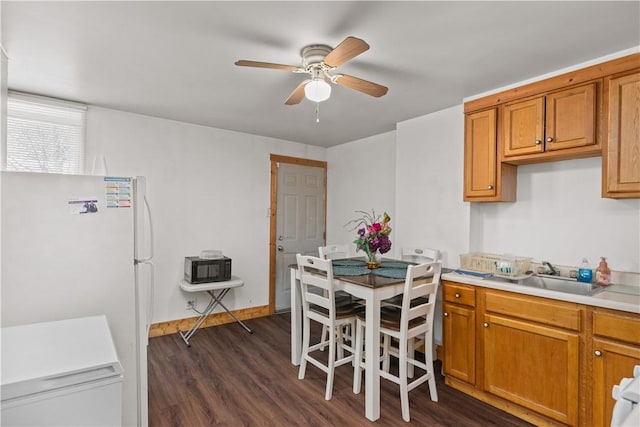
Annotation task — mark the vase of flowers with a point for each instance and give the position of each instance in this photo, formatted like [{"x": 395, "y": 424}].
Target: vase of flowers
[{"x": 373, "y": 236}]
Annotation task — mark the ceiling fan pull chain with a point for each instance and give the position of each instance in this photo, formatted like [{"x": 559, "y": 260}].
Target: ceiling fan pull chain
[{"x": 317, "y": 112}]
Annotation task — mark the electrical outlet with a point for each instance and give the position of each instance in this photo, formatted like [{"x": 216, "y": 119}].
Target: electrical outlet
[{"x": 191, "y": 304}]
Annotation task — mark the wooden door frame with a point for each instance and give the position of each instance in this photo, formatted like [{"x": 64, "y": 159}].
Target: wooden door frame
[{"x": 273, "y": 214}]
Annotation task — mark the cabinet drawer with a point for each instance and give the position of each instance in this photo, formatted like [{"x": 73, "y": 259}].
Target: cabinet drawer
[
  {"x": 553, "y": 313},
  {"x": 460, "y": 294},
  {"x": 619, "y": 326}
]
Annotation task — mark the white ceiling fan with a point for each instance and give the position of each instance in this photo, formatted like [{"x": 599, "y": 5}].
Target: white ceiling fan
[{"x": 320, "y": 62}]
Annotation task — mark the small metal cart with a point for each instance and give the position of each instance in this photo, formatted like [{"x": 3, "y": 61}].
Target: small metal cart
[{"x": 210, "y": 288}]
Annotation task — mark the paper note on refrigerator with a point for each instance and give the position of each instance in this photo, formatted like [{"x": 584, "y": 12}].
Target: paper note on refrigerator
[{"x": 117, "y": 192}]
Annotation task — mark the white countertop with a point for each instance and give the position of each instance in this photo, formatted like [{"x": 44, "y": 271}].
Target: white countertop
[{"x": 605, "y": 299}]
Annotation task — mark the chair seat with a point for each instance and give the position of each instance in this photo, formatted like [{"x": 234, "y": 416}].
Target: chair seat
[
  {"x": 390, "y": 318},
  {"x": 342, "y": 311},
  {"x": 397, "y": 301}
]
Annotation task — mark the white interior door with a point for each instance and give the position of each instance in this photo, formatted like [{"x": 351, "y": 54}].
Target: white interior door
[{"x": 300, "y": 222}]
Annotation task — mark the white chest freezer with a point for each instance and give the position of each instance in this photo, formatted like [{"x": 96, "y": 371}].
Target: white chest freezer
[{"x": 61, "y": 373}]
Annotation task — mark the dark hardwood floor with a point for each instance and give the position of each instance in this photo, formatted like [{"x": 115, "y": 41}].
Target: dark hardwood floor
[{"x": 231, "y": 378}]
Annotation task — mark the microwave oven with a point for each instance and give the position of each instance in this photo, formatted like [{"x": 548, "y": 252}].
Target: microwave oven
[{"x": 201, "y": 270}]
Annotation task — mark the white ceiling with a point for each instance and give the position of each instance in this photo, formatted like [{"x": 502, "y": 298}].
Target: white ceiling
[{"x": 176, "y": 59}]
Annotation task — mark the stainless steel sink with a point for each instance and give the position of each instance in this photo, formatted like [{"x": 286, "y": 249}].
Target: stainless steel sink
[{"x": 558, "y": 284}]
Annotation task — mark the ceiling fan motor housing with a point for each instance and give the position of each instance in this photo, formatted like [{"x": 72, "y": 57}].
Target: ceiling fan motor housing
[{"x": 313, "y": 55}]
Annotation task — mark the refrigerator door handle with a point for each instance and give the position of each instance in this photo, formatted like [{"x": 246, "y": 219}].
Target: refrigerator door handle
[
  {"x": 151, "y": 293},
  {"x": 148, "y": 258}
]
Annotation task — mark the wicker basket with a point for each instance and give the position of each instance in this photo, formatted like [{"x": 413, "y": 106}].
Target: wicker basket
[{"x": 497, "y": 264}]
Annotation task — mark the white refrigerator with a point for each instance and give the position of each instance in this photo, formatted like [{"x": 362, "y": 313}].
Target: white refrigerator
[{"x": 76, "y": 246}]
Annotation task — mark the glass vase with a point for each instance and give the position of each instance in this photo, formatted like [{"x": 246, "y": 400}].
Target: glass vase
[{"x": 373, "y": 260}]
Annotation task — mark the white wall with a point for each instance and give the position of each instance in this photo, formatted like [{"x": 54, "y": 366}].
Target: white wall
[
  {"x": 360, "y": 177},
  {"x": 208, "y": 188},
  {"x": 560, "y": 217},
  {"x": 429, "y": 177}
]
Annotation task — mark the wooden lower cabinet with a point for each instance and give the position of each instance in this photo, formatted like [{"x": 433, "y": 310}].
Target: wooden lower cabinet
[
  {"x": 546, "y": 361},
  {"x": 615, "y": 351},
  {"x": 459, "y": 326},
  {"x": 533, "y": 366},
  {"x": 460, "y": 338}
]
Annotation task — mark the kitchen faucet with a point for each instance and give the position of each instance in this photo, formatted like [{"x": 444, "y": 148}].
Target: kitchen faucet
[{"x": 552, "y": 269}]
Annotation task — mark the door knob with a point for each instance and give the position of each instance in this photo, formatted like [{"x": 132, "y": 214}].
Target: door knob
[
  {"x": 489, "y": 187},
  {"x": 549, "y": 139},
  {"x": 280, "y": 248},
  {"x": 446, "y": 314},
  {"x": 538, "y": 142},
  {"x": 597, "y": 353},
  {"x": 485, "y": 324}
]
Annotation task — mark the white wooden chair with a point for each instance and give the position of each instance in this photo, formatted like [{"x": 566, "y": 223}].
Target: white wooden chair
[
  {"x": 417, "y": 254},
  {"x": 317, "y": 274},
  {"x": 413, "y": 320},
  {"x": 337, "y": 252},
  {"x": 334, "y": 251},
  {"x": 420, "y": 254}
]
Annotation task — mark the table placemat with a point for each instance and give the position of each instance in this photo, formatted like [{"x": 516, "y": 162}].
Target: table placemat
[
  {"x": 348, "y": 263},
  {"x": 340, "y": 270},
  {"x": 391, "y": 273},
  {"x": 395, "y": 264}
]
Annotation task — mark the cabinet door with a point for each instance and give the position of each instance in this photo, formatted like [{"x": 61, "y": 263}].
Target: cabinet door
[
  {"x": 611, "y": 362},
  {"x": 621, "y": 156},
  {"x": 460, "y": 342},
  {"x": 571, "y": 118},
  {"x": 533, "y": 366},
  {"x": 480, "y": 148},
  {"x": 524, "y": 127}
]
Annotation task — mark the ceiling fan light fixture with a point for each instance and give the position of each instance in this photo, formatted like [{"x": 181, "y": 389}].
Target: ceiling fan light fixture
[{"x": 317, "y": 90}]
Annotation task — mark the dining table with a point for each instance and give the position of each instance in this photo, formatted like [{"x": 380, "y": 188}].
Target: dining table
[{"x": 372, "y": 285}]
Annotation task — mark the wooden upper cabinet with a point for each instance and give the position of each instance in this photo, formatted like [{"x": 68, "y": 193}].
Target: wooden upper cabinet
[
  {"x": 557, "y": 121},
  {"x": 480, "y": 154},
  {"x": 524, "y": 127},
  {"x": 485, "y": 178},
  {"x": 590, "y": 112},
  {"x": 621, "y": 155}
]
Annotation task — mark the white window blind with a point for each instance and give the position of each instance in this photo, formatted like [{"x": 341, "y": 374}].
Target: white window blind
[{"x": 44, "y": 134}]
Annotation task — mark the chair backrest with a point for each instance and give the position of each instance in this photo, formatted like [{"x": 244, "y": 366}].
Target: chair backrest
[
  {"x": 420, "y": 287},
  {"x": 420, "y": 254},
  {"x": 316, "y": 274},
  {"x": 334, "y": 251}
]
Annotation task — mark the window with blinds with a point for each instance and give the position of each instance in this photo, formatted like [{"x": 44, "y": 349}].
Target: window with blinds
[{"x": 44, "y": 134}]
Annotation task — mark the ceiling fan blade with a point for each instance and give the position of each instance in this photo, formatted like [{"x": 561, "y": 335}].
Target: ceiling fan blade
[
  {"x": 348, "y": 49},
  {"x": 297, "y": 95},
  {"x": 244, "y": 63},
  {"x": 361, "y": 85}
]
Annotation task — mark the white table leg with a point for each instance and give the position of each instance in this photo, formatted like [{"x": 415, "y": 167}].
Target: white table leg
[
  {"x": 296, "y": 318},
  {"x": 372, "y": 359}
]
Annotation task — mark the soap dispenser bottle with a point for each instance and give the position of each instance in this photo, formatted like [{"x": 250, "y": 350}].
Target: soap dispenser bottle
[
  {"x": 603, "y": 273},
  {"x": 585, "y": 274}
]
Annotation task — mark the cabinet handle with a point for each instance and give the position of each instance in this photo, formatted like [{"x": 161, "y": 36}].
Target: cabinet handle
[
  {"x": 489, "y": 187},
  {"x": 549, "y": 139},
  {"x": 597, "y": 353},
  {"x": 457, "y": 295},
  {"x": 485, "y": 324},
  {"x": 446, "y": 314},
  {"x": 538, "y": 142}
]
